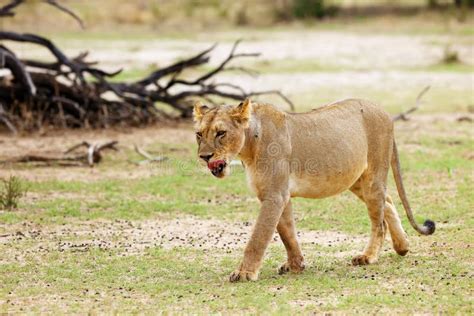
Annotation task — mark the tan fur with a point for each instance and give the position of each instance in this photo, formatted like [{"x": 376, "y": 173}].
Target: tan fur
[{"x": 346, "y": 145}]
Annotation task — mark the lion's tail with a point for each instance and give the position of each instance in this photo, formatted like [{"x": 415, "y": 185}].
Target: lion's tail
[{"x": 429, "y": 226}]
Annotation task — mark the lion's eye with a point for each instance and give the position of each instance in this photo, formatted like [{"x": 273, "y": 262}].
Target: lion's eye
[
  {"x": 198, "y": 134},
  {"x": 220, "y": 133}
]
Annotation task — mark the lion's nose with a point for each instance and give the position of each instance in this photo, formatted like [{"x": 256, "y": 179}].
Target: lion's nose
[{"x": 206, "y": 157}]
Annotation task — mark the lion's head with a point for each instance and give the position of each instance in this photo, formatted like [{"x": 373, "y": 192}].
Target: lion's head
[{"x": 220, "y": 134}]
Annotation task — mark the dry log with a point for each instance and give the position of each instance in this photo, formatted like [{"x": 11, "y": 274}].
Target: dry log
[{"x": 92, "y": 156}]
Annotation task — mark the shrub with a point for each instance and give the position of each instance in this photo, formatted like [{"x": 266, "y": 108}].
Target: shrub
[
  {"x": 450, "y": 56},
  {"x": 11, "y": 193},
  {"x": 310, "y": 9}
]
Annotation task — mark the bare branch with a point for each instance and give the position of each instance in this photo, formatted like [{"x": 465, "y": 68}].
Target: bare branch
[
  {"x": 222, "y": 65},
  {"x": 83, "y": 144},
  {"x": 7, "y": 10},
  {"x": 148, "y": 158},
  {"x": 60, "y": 7},
  {"x": 194, "y": 61},
  {"x": 141, "y": 152},
  {"x": 404, "y": 115},
  {"x": 109, "y": 145}
]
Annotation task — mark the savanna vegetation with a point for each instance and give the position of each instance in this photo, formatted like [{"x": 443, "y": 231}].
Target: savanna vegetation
[{"x": 126, "y": 236}]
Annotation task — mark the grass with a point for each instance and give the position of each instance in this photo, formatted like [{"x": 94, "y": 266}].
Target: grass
[
  {"x": 39, "y": 275},
  {"x": 187, "y": 281},
  {"x": 435, "y": 277},
  {"x": 11, "y": 192},
  {"x": 448, "y": 67}
]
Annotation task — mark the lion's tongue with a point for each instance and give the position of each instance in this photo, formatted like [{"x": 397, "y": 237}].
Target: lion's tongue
[{"x": 214, "y": 164}]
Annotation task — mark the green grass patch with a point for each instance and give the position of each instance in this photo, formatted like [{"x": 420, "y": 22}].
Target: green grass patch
[
  {"x": 186, "y": 281},
  {"x": 448, "y": 67}
]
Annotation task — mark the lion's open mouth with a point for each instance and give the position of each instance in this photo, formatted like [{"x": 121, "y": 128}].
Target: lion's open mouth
[{"x": 217, "y": 167}]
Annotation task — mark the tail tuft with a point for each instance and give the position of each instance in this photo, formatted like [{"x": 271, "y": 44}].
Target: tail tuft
[{"x": 429, "y": 227}]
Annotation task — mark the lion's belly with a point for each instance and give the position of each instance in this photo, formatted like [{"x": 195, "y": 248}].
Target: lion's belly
[
  {"x": 323, "y": 184},
  {"x": 329, "y": 153}
]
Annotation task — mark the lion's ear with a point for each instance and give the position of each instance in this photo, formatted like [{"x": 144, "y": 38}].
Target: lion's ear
[
  {"x": 199, "y": 110},
  {"x": 243, "y": 112}
]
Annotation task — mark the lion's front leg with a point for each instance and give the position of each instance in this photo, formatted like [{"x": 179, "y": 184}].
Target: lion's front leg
[
  {"x": 287, "y": 232},
  {"x": 270, "y": 213}
]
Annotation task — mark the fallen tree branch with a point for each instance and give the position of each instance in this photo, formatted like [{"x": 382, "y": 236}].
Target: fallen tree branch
[
  {"x": 73, "y": 92},
  {"x": 92, "y": 156},
  {"x": 9, "y": 61},
  {"x": 404, "y": 115},
  {"x": 178, "y": 67},
  {"x": 148, "y": 157}
]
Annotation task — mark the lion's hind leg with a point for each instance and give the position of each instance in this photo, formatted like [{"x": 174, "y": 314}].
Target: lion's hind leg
[
  {"x": 373, "y": 194},
  {"x": 286, "y": 230},
  {"x": 399, "y": 237},
  {"x": 391, "y": 219}
]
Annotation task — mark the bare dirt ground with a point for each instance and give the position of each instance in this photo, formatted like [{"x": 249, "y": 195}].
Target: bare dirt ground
[
  {"x": 56, "y": 142},
  {"x": 347, "y": 49},
  {"x": 131, "y": 237}
]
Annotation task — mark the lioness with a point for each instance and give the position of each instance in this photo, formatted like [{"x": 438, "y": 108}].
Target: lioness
[{"x": 347, "y": 145}]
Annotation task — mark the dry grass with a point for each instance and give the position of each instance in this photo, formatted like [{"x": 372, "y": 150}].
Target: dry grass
[{"x": 11, "y": 192}]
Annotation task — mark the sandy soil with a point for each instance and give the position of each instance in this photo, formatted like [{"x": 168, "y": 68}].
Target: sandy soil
[
  {"x": 345, "y": 48},
  {"x": 378, "y": 55},
  {"x": 129, "y": 237},
  {"x": 375, "y": 79},
  {"x": 56, "y": 142}
]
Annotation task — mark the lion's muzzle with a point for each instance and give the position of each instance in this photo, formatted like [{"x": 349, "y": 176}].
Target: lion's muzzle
[{"x": 217, "y": 167}]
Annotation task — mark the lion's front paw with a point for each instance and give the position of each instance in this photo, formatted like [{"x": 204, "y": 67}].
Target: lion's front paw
[
  {"x": 295, "y": 267},
  {"x": 239, "y": 275},
  {"x": 361, "y": 260}
]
